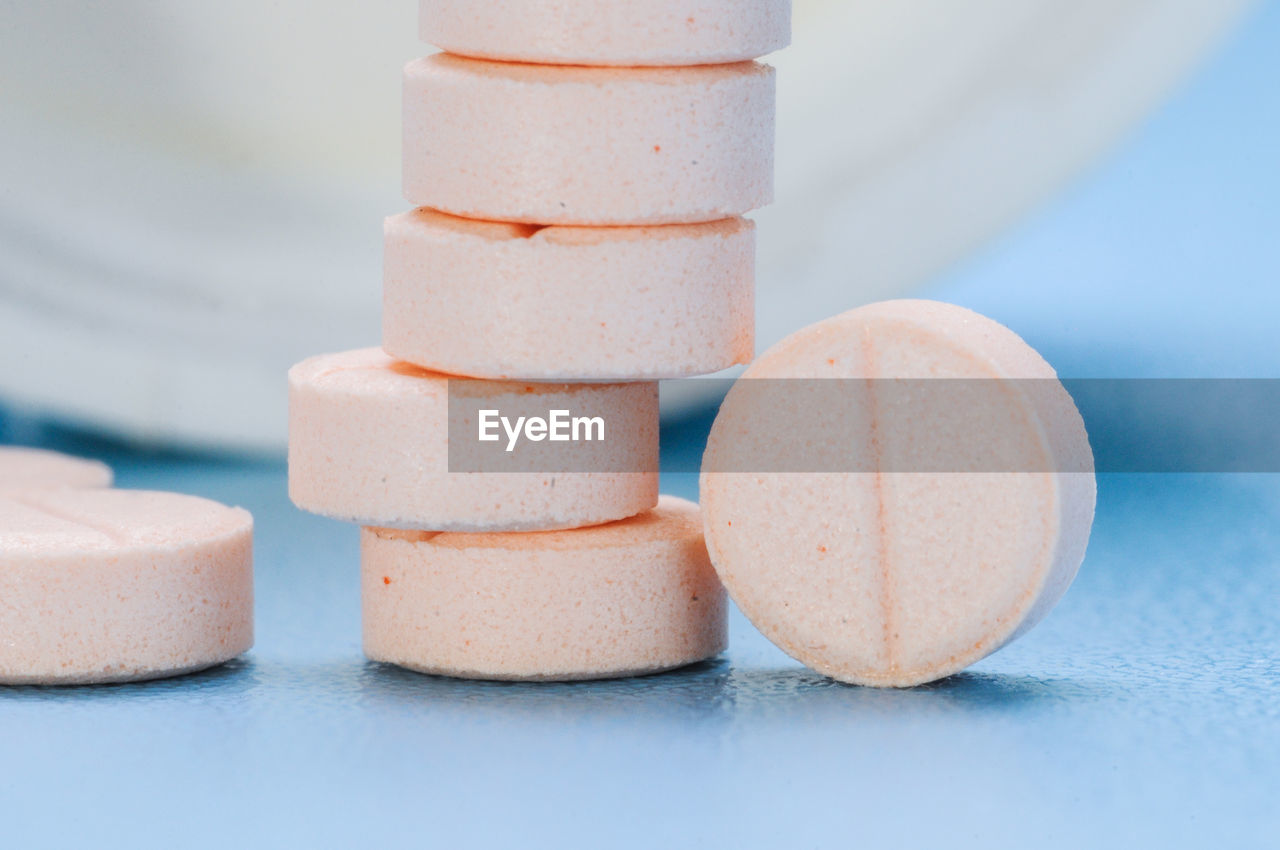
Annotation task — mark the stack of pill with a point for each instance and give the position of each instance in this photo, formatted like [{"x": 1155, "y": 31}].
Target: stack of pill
[
  {"x": 101, "y": 585},
  {"x": 580, "y": 172}
]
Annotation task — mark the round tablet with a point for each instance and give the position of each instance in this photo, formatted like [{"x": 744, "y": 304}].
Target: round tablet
[
  {"x": 542, "y": 144},
  {"x": 612, "y": 32},
  {"x": 121, "y": 585},
  {"x": 494, "y": 300},
  {"x": 632, "y": 597},
  {"x": 23, "y": 470},
  {"x": 369, "y": 443},
  {"x": 888, "y": 555}
]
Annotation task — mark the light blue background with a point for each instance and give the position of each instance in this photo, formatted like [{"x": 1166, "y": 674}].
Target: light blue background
[{"x": 1144, "y": 712}]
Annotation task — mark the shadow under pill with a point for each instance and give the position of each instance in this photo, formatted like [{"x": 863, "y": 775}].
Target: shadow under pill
[
  {"x": 687, "y": 691},
  {"x": 716, "y": 691},
  {"x": 236, "y": 676},
  {"x": 803, "y": 694}
]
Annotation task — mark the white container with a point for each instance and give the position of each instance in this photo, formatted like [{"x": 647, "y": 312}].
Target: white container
[{"x": 191, "y": 193}]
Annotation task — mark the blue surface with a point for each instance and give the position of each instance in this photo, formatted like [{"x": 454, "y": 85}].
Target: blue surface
[{"x": 1144, "y": 712}]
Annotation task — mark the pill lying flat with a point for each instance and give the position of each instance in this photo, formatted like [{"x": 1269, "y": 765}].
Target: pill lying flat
[
  {"x": 541, "y": 144},
  {"x": 612, "y": 32},
  {"x": 23, "y": 470},
  {"x": 627, "y": 598},
  {"x": 369, "y": 442},
  {"x": 911, "y": 562},
  {"x": 120, "y": 585},
  {"x": 494, "y": 300}
]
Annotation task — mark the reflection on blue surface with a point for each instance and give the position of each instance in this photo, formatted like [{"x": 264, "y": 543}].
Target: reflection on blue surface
[
  {"x": 1145, "y": 711},
  {"x": 1146, "y": 706}
]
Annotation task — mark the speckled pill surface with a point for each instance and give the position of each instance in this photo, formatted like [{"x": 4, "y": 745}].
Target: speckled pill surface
[
  {"x": 369, "y": 443},
  {"x": 898, "y": 577},
  {"x": 541, "y": 144},
  {"x": 493, "y": 300},
  {"x": 628, "y": 598},
  {"x": 23, "y": 470},
  {"x": 608, "y": 32},
  {"x": 121, "y": 585}
]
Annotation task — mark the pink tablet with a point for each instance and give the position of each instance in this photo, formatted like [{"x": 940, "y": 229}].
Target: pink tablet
[
  {"x": 895, "y": 552},
  {"x": 632, "y": 597},
  {"x": 609, "y": 32},
  {"x": 494, "y": 300},
  {"x": 369, "y": 442},
  {"x": 541, "y": 144},
  {"x": 121, "y": 585},
  {"x": 23, "y": 470}
]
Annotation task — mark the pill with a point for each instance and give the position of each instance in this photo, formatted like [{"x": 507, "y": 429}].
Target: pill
[
  {"x": 369, "y": 442},
  {"x": 541, "y": 144},
  {"x": 905, "y": 571},
  {"x": 631, "y": 597},
  {"x": 121, "y": 585},
  {"x": 609, "y": 32},
  {"x": 493, "y": 300},
  {"x": 23, "y": 470}
]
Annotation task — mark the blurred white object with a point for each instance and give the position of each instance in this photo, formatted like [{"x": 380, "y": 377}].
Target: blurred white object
[{"x": 191, "y": 193}]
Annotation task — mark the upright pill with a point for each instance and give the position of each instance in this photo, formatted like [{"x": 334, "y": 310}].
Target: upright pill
[
  {"x": 609, "y": 32},
  {"x": 627, "y": 598},
  {"x": 121, "y": 585},
  {"x": 493, "y": 300},
  {"x": 541, "y": 144},
  {"x": 23, "y": 470},
  {"x": 940, "y": 501}
]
